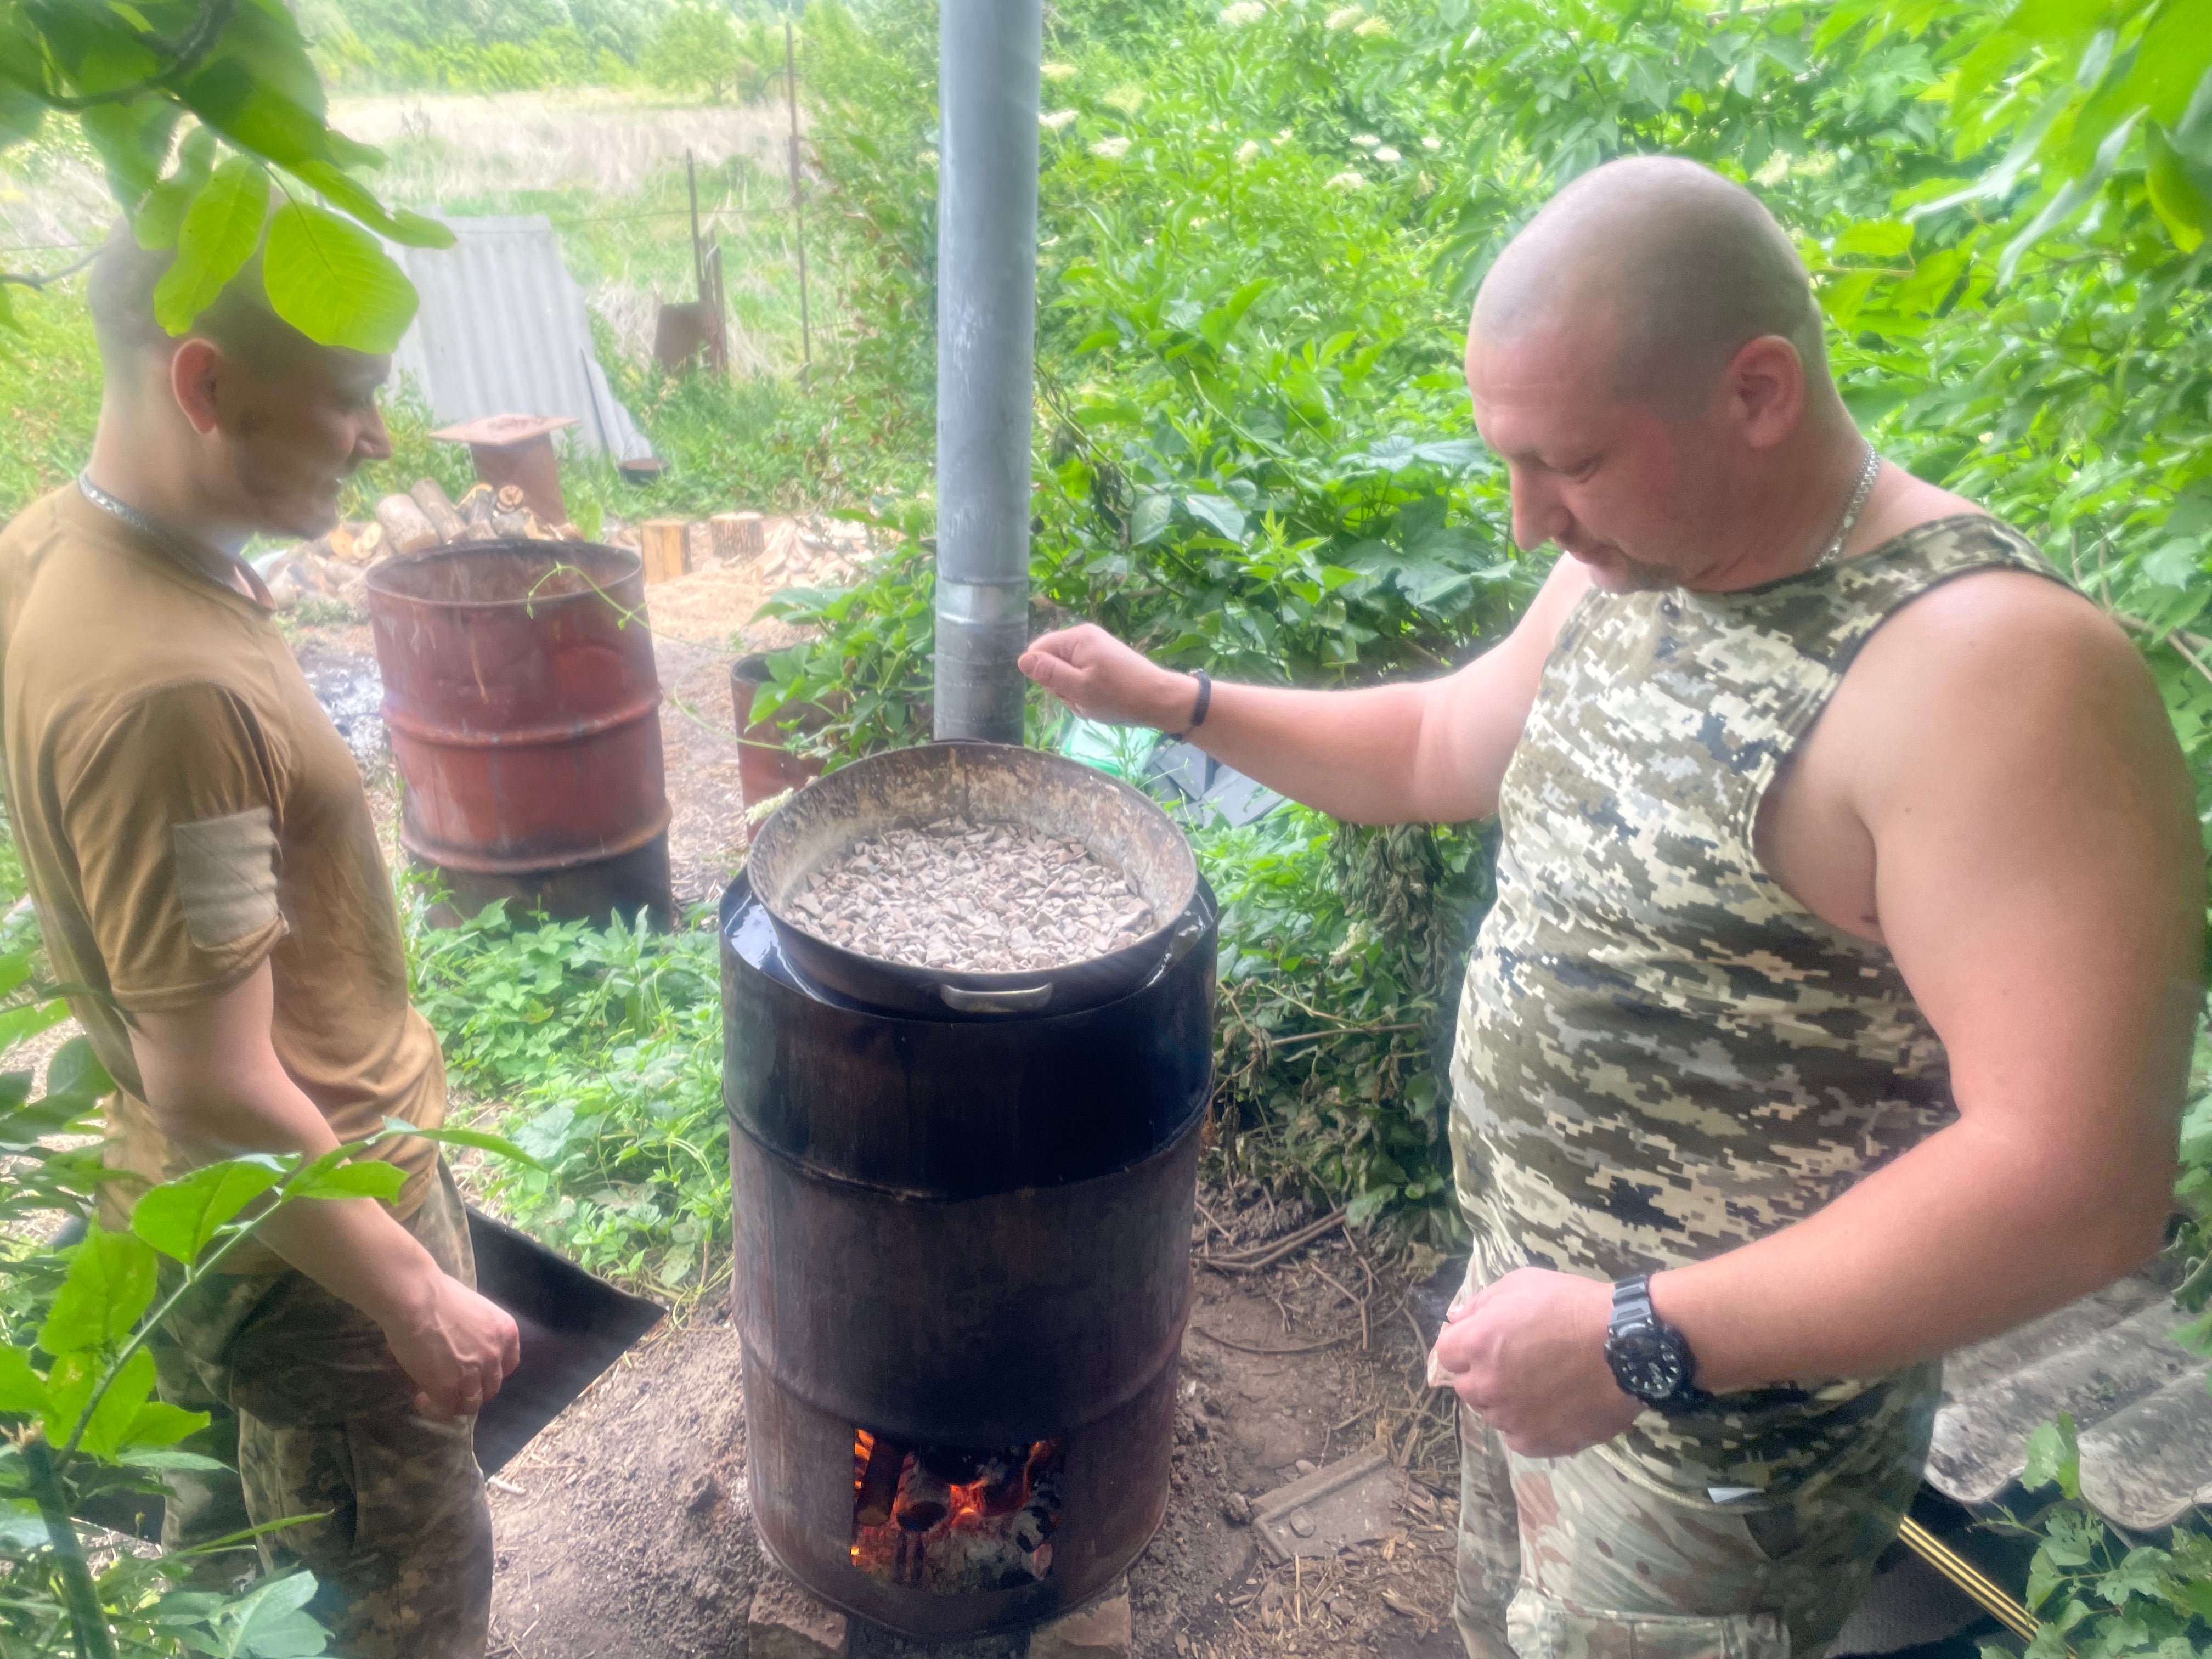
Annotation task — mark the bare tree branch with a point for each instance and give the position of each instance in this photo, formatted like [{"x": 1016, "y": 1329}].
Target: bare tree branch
[{"x": 37, "y": 280}]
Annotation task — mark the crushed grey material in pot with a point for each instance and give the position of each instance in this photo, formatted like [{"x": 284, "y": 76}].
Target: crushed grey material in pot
[{"x": 990, "y": 898}]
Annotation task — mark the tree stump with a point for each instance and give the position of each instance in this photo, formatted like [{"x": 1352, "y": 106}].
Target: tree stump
[
  {"x": 738, "y": 535},
  {"x": 662, "y": 548}
]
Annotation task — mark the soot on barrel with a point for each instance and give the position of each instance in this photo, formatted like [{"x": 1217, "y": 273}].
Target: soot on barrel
[{"x": 962, "y": 1242}]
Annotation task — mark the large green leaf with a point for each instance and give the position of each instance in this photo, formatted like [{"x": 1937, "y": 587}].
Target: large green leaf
[
  {"x": 369, "y": 1177},
  {"x": 347, "y": 192},
  {"x": 133, "y": 141},
  {"x": 218, "y": 235},
  {"x": 22, "y": 1389},
  {"x": 2180, "y": 192},
  {"x": 156, "y": 1426},
  {"x": 28, "y": 1019},
  {"x": 272, "y": 1623},
  {"x": 76, "y": 1073},
  {"x": 329, "y": 279},
  {"x": 161, "y": 215},
  {"x": 482, "y": 1140},
  {"x": 180, "y": 1217},
  {"x": 2053, "y": 1457},
  {"x": 119, "y": 1406},
  {"x": 109, "y": 1285}
]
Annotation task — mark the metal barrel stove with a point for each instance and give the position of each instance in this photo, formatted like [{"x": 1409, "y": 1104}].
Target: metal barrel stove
[
  {"x": 962, "y": 1271},
  {"x": 525, "y": 713}
]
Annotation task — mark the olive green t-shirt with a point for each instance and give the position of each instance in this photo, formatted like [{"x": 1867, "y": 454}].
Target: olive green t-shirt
[{"x": 184, "y": 811}]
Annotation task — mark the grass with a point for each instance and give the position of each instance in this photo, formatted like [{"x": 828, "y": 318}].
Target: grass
[{"x": 49, "y": 393}]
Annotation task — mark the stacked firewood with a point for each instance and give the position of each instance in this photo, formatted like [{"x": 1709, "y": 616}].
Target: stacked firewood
[{"x": 332, "y": 566}]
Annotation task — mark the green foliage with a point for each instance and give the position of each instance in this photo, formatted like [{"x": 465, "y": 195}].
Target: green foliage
[
  {"x": 600, "y": 1050},
  {"x": 131, "y": 75},
  {"x": 701, "y": 47},
  {"x": 1341, "y": 949},
  {"x": 478, "y": 46},
  {"x": 78, "y": 1421},
  {"x": 2094, "y": 1592},
  {"x": 50, "y": 380}
]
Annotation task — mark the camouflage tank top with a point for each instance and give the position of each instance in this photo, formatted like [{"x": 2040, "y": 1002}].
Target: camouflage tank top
[{"x": 1661, "y": 1053}]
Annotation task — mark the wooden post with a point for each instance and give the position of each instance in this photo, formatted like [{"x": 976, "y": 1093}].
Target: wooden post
[
  {"x": 798, "y": 210},
  {"x": 661, "y": 544}
]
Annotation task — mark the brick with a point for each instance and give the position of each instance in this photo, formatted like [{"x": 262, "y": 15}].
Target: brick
[
  {"x": 1099, "y": 1629},
  {"x": 788, "y": 1623}
]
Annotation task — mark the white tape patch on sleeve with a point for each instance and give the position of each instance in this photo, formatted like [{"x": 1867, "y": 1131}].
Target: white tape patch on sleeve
[{"x": 227, "y": 876}]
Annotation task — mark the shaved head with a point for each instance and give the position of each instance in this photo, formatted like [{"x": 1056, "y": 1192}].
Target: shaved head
[
  {"x": 1683, "y": 265},
  {"x": 120, "y": 295}
]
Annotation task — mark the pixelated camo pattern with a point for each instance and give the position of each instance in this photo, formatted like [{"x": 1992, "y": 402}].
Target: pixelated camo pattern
[{"x": 1661, "y": 1054}]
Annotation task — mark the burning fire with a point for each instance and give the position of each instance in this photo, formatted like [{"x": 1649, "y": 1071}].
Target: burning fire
[{"x": 950, "y": 1519}]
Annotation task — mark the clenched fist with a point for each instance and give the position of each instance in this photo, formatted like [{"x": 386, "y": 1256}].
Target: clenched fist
[
  {"x": 458, "y": 1346},
  {"x": 1102, "y": 679}
]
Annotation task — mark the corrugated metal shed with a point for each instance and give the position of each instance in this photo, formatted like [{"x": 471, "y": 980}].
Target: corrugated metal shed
[
  {"x": 502, "y": 331},
  {"x": 2138, "y": 1398}
]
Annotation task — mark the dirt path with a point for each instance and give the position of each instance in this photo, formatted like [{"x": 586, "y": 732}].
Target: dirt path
[{"x": 631, "y": 1536}]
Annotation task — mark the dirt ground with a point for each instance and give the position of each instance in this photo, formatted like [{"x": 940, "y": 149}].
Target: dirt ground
[{"x": 627, "y": 1532}]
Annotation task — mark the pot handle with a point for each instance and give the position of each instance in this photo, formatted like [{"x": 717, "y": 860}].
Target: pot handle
[{"x": 1027, "y": 999}]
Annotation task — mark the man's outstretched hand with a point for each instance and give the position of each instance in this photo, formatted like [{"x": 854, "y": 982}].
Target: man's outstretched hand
[{"x": 1102, "y": 679}]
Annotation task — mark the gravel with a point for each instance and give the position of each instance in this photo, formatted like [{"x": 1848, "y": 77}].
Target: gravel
[{"x": 989, "y": 898}]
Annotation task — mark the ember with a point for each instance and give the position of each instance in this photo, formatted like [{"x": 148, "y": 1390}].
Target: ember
[{"x": 949, "y": 1520}]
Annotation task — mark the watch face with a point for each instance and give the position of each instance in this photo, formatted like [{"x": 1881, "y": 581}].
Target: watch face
[{"x": 1646, "y": 1364}]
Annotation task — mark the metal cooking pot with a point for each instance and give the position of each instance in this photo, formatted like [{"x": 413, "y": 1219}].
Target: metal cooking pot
[{"x": 983, "y": 783}]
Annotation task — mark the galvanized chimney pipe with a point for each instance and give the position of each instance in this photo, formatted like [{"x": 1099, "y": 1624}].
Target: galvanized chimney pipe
[{"x": 988, "y": 53}]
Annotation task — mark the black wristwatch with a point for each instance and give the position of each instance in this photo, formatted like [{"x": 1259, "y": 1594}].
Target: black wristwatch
[{"x": 1650, "y": 1357}]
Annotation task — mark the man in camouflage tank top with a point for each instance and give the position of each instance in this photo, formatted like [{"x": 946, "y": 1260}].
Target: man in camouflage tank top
[{"x": 1835, "y": 1008}]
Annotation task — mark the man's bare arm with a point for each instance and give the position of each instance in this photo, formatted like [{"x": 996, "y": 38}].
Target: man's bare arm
[
  {"x": 218, "y": 1089},
  {"x": 1429, "y": 752},
  {"x": 2040, "y": 881}
]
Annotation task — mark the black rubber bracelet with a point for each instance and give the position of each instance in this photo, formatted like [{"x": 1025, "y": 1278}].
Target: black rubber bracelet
[{"x": 1198, "y": 710}]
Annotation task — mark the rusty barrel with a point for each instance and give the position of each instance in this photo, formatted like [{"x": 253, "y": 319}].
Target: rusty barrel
[{"x": 525, "y": 713}]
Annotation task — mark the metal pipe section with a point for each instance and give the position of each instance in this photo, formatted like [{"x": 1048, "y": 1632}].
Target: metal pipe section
[{"x": 988, "y": 54}]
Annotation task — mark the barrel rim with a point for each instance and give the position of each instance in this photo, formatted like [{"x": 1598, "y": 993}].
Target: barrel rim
[{"x": 382, "y": 576}]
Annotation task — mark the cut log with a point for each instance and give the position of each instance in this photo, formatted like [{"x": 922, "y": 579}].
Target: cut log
[
  {"x": 477, "y": 506},
  {"x": 407, "y": 528},
  {"x": 438, "y": 507},
  {"x": 371, "y": 545},
  {"x": 662, "y": 548},
  {"x": 879, "y": 1482},
  {"x": 511, "y": 499},
  {"x": 738, "y": 535},
  {"x": 512, "y": 525}
]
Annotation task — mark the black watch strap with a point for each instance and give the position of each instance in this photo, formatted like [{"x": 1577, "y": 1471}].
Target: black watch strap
[
  {"x": 1198, "y": 707},
  {"x": 1636, "y": 1336}
]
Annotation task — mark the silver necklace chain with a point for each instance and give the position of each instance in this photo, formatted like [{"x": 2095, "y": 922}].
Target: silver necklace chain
[
  {"x": 1865, "y": 487},
  {"x": 168, "y": 539}
]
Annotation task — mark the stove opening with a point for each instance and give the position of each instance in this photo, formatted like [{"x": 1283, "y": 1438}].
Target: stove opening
[{"x": 951, "y": 1520}]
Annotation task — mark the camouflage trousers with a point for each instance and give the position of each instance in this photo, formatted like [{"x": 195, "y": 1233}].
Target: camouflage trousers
[
  {"x": 1592, "y": 1556},
  {"x": 324, "y": 1426}
]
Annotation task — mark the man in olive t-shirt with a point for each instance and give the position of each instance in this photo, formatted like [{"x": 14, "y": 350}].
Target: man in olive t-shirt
[{"x": 204, "y": 861}]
